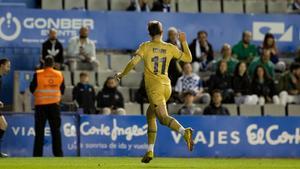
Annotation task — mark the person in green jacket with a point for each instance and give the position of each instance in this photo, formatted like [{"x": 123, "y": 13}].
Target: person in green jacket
[
  {"x": 227, "y": 56},
  {"x": 244, "y": 50},
  {"x": 264, "y": 60}
]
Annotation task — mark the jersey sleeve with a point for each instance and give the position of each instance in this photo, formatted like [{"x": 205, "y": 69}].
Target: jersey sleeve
[
  {"x": 177, "y": 54},
  {"x": 141, "y": 50}
]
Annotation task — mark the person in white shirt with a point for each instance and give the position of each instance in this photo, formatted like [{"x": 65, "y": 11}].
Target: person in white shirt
[
  {"x": 81, "y": 50},
  {"x": 190, "y": 81}
]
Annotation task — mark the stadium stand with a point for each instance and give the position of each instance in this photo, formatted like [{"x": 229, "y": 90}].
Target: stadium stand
[
  {"x": 74, "y": 4},
  {"x": 233, "y": 6},
  {"x": 293, "y": 110},
  {"x": 255, "y": 6},
  {"x": 277, "y": 6},
  {"x": 210, "y": 6},
  {"x": 188, "y": 6},
  {"x": 132, "y": 109},
  {"x": 97, "y": 5},
  {"x": 250, "y": 110},
  {"x": 274, "y": 110},
  {"x": 52, "y": 4}
]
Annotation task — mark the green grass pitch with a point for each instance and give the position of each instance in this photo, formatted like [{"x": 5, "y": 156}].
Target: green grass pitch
[{"x": 157, "y": 163}]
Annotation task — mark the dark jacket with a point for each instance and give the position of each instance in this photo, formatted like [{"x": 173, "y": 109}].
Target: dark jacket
[
  {"x": 84, "y": 94},
  {"x": 209, "y": 52},
  {"x": 219, "y": 81},
  {"x": 286, "y": 83},
  {"x": 266, "y": 89},
  {"x": 132, "y": 7},
  {"x": 47, "y": 45},
  {"x": 159, "y": 6},
  {"x": 241, "y": 84},
  {"x": 111, "y": 98},
  {"x": 213, "y": 110}
]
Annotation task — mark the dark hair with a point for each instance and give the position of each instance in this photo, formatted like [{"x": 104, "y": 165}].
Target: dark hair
[
  {"x": 255, "y": 76},
  {"x": 200, "y": 32},
  {"x": 108, "y": 79},
  {"x": 267, "y": 36},
  {"x": 83, "y": 74},
  {"x": 244, "y": 33},
  {"x": 219, "y": 65},
  {"x": 189, "y": 92},
  {"x": 49, "y": 61},
  {"x": 3, "y": 61},
  {"x": 154, "y": 28},
  {"x": 216, "y": 91},
  {"x": 294, "y": 66},
  {"x": 237, "y": 67}
]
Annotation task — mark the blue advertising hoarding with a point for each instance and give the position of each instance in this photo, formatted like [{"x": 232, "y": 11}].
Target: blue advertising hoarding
[{"x": 126, "y": 136}]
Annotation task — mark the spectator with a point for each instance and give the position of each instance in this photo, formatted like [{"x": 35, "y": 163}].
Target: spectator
[
  {"x": 227, "y": 56},
  {"x": 264, "y": 60},
  {"x": 244, "y": 50},
  {"x": 139, "y": 6},
  {"x": 162, "y": 6},
  {"x": 215, "y": 107},
  {"x": 110, "y": 100},
  {"x": 289, "y": 85},
  {"x": 190, "y": 81},
  {"x": 189, "y": 108},
  {"x": 82, "y": 51},
  {"x": 263, "y": 86},
  {"x": 222, "y": 81},
  {"x": 84, "y": 94},
  {"x": 175, "y": 69},
  {"x": 202, "y": 51},
  {"x": 294, "y": 7},
  {"x": 241, "y": 85},
  {"x": 297, "y": 58},
  {"x": 54, "y": 48},
  {"x": 269, "y": 43}
]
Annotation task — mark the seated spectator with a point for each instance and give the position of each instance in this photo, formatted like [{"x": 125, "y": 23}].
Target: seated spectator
[
  {"x": 269, "y": 43},
  {"x": 109, "y": 99},
  {"x": 297, "y": 58},
  {"x": 227, "y": 56},
  {"x": 84, "y": 94},
  {"x": 190, "y": 81},
  {"x": 222, "y": 81},
  {"x": 264, "y": 60},
  {"x": 289, "y": 85},
  {"x": 241, "y": 85},
  {"x": 54, "y": 48},
  {"x": 161, "y": 6},
  {"x": 139, "y": 6},
  {"x": 215, "y": 107},
  {"x": 202, "y": 52},
  {"x": 244, "y": 50},
  {"x": 263, "y": 86},
  {"x": 294, "y": 7},
  {"x": 189, "y": 108},
  {"x": 81, "y": 50},
  {"x": 175, "y": 69}
]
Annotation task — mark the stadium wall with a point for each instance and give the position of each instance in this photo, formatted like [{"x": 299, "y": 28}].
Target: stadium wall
[{"x": 126, "y": 136}]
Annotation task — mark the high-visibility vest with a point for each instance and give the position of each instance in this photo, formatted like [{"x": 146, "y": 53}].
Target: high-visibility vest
[{"x": 48, "y": 86}]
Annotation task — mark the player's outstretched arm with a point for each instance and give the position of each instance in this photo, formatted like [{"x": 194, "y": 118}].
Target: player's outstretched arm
[
  {"x": 130, "y": 65},
  {"x": 186, "y": 55}
]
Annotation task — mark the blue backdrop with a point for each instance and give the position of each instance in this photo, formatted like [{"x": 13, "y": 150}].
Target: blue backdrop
[{"x": 126, "y": 136}]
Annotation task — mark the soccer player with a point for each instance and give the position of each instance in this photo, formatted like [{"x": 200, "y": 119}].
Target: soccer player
[
  {"x": 4, "y": 69},
  {"x": 157, "y": 55}
]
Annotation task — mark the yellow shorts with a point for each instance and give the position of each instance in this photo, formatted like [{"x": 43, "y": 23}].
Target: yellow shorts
[{"x": 158, "y": 94}]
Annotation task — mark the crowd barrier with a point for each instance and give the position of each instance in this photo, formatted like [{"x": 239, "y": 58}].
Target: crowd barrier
[{"x": 126, "y": 136}]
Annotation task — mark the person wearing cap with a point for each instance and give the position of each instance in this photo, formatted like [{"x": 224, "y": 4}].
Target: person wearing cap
[{"x": 47, "y": 87}]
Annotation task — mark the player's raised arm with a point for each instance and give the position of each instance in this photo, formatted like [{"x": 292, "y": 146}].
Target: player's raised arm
[{"x": 186, "y": 55}]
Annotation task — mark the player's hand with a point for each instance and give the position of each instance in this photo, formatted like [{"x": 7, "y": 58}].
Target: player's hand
[
  {"x": 1, "y": 104},
  {"x": 118, "y": 76},
  {"x": 182, "y": 36}
]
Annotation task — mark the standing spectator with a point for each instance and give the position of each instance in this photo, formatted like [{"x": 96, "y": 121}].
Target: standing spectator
[
  {"x": 215, "y": 107},
  {"x": 82, "y": 51},
  {"x": 289, "y": 85},
  {"x": 202, "y": 51},
  {"x": 263, "y": 86},
  {"x": 222, "y": 81},
  {"x": 294, "y": 7},
  {"x": 84, "y": 94},
  {"x": 139, "y": 6},
  {"x": 264, "y": 60},
  {"x": 47, "y": 87},
  {"x": 241, "y": 85},
  {"x": 4, "y": 70},
  {"x": 54, "y": 48},
  {"x": 227, "y": 56},
  {"x": 175, "y": 69},
  {"x": 244, "y": 50},
  {"x": 189, "y": 108},
  {"x": 162, "y": 6},
  {"x": 269, "y": 43},
  {"x": 109, "y": 99},
  {"x": 190, "y": 81}
]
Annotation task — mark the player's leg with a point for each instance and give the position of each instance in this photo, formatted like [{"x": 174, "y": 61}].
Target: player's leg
[
  {"x": 3, "y": 126},
  {"x": 39, "y": 128},
  {"x": 152, "y": 130}
]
